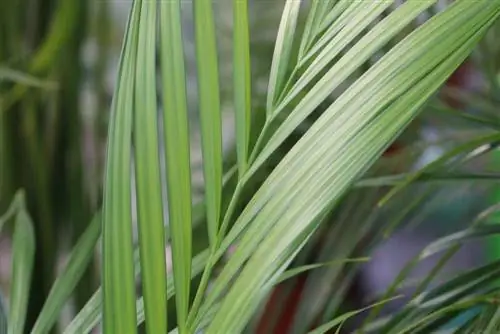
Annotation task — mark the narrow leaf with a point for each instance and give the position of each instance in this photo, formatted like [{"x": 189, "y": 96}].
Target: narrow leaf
[
  {"x": 91, "y": 314},
  {"x": 65, "y": 284},
  {"x": 308, "y": 182},
  {"x": 299, "y": 270},
  {"x": 22, "y": 269},
  {"x": 282, "y": 51},
  {"x": 118, "y": 270},
  {"x": 210, "y": 112},
  {"x": 241, "y": 81},
  {"x": 198, "y": 264},
  {"x": 148, "y": 179},
  {"x": 177, "y": 156},
  {"x": 340, "y": 319},
  {"x": 468, "y": 147},
  {"x": 340, "y": 71}
]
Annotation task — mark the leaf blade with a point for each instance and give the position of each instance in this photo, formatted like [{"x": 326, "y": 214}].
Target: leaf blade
[
  {"x": 176, "y": 132},
  {"x": 210, "y": 112},
  {"x": 22, "y": 269},
  {"x": 282, "y": 51},
  {"x": 118, "y": 270},
  {"x": 148, "y": 180},
  {"x": 64, "y": 285},
  {"x": 241, "y": 82}
]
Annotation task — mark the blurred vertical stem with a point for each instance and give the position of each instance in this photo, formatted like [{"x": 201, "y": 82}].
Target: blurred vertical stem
[
  {"x": 79, "y": 213},
  {"x": 40, "y": 142}
]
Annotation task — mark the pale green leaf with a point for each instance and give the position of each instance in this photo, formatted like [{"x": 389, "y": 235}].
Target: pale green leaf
[
  {"x": 340, "y": 71},
  {"x": 373, "y": 112},
  {"x": 282, "y": 51}
]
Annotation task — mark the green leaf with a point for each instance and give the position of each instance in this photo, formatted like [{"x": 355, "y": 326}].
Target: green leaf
[
  {"x": 446, "y": 294},
  {"x": 429, "y": 177},
  {"x": 241, "y": 82},
  {"x": 313, "y": 20},
  {"x": 91, "y": 314},
  {"x": 22, "y": 269},
  {"x": 65, "y": 284},
  {"x": 316, "y": 18},
  {"x": 210, "y": 113},
  {"x": 148, "y": 179},
  {"x": 282, "y": 51},
  {"x": 470, "y": 147},
  {"x": 462, "y": 305},
  {"x": 340, "y": 71},
  {"x": 118, "y": 270},
  {"x": 340, "y": 21},
  {"x": 340, "y": 319},
  {"x": 299, "y": 270},
  {"x": 379, "y": 78},
  {"x": 198, "y": 264},
  {"x": 8, "y": 74},
  {"x": 493, "y": 323},
  {"x": 177, "y": 156},
  {"x": 347, "y": 138}
]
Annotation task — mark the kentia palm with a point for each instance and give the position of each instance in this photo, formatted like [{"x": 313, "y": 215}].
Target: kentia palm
[{"x": 272, "y": 224}]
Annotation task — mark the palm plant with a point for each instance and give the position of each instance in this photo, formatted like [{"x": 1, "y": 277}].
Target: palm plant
[{"x": 305, "y": 181}]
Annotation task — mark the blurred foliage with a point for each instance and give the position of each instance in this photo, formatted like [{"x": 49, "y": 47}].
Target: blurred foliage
[{"x": 46, "y": 121}]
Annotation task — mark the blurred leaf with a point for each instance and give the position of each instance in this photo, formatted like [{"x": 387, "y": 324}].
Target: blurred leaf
[
  {"x": 65, "y": 284},
  {"x": 468, "y": 148},
  {"x": 340, "y": 319},
  {"x": 445, "y": 176},
  {"x": 493, "y": 322},
  {"x": 7, "y": 74},
  {"x": 3, "y": 315},
  {"x": 23, "y": 255},
  {"x": 299, "y": 270},
  {"x": 466, "y": 285}
]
